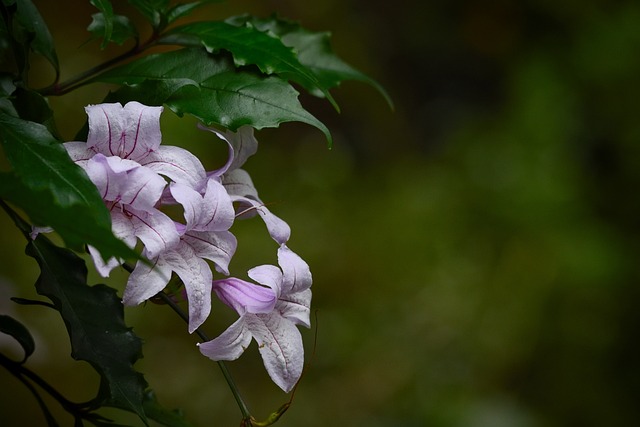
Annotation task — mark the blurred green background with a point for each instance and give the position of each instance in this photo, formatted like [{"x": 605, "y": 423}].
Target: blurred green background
[{"x": 475, "y": 251}]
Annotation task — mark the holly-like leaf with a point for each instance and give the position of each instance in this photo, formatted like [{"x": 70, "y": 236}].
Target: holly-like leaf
[
  {"x": 313, "y": 49},
  {"x": 94, "y": 318},
  {"x": 210, "y": 88},
  {"x": 53, "y": 190},
  {"x": 248, "y": 47},
  {"x": 121, "y": 28},
  {"x": 17, "y": 330},
  {"x": 156, "y": 412}
]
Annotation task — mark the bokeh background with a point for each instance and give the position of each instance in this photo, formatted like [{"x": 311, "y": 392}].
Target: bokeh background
[{"x": 474, "y": 251}]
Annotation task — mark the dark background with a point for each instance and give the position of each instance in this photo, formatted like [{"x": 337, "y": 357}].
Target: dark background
[{"x": 475, "y": 251}]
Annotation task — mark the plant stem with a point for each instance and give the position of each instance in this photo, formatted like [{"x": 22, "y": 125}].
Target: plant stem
[
  {"x": 223, "y": 367},
  {"x": 58, "y": 89}
]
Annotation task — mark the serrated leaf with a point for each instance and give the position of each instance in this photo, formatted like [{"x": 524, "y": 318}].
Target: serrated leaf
[
  {"x": 37, "y": 36},
  {"x": 248, "y": 47},
  {"x": 313, "y": 49},
  {"x": 53, "y": 190},
  {"x": 106, "y": 10},
  {"x": 156, "y": 412},
  {"x": 121, "y": 31},
  {"x": 210, "y": 88},
  {"x": 94, "y": 318},
  {"x": 20, "y": 333}
]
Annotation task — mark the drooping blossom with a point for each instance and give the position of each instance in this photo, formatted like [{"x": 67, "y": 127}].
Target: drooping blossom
[
  {"x": 279, "y": 340},
  {"x": 238, "y": 183},
  {"x": 204, "y": 236}
]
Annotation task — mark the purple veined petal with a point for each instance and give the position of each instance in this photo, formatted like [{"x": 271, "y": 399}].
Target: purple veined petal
[
  {"x": 244, "y": 145},
  {"x": 268, "y": 275},
  {"x": 244, "y": 297},
  {"x": 142, "y": 130},
  {"x": 103, "y": 268},
  {"x": 238, "y": 183},
  {"x": 156, "y": 230},
  {"x": 277, "y": 228},
  {"x": 143, "y": 188},
  {"x": 216, "y": 246},
  {"x": 196, "y": 276},
  {"x": 217, "y": 212},
  {"x": 145, "y": 281},
  {"x": 190, "y": 200},
  {"x": 109, "y": 174},
  {"x": 122, "y": 227},
  {"x": 177, "y": 164},
  {"x": 230, "y": 344},
  {"x": 296, "y": 273},
  {"x": 219, "y": 172},
  {"x": 79, "y": 152},
  {"x": 280, "y": 345},
  {"x": 296, "y": 307},
  {"x": 106, "y": 127}
]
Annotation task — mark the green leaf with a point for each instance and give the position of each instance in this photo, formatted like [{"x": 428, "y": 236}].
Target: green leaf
[
  {"x": 17, "y": 330},
  {"x": 210, "y": 88},
  {"x": 121, "y": 31},
  {"x": 30, "y": 29},
  {"x": 104, "y": 6},
  {"x": 156, "y": 412},
  {"x": 153, "y": 10},
  {"x": 248, "y": 47},
  {"x": 313, "y": 49},
  {"x": 181, "y": 10},
  {"x": 53, "y": 190},
  {"x": 94, "y": 318},
  {"x": 32, "y": 106}
]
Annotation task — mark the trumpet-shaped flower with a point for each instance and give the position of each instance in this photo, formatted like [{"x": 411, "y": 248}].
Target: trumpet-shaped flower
[
  {"x": 275, "y": 331},
  {"x": 124, "y": 159},
  {"x": 204, "y": 236},
  {"x": 238, "y": 183}
]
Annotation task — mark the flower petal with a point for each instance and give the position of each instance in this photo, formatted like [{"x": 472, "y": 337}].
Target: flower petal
[
  {"x": 79, "y": 152},
  {"x": 295, "y": 307},
  {"x": 106, "y": 126},
  {"x": 103, "y": 268},
  {"x": 268, "y": 275},
  {"x": 156, "y": 230},
  {"x": 177, "y": 164},
  {"x": 217, "y": 246},
  {"x": 131, "y": 131},
  {"x": 239, "y": 183},
  {"x": 196, "y": 276},
  {"x": 277, "y": 228},
  {"x": 244, "y": 297},
  {"x": 142, "y": 189},
  {"x": 280, "y": 345},
  {"x": 145, "y": 281},
  {"x": 142, "y": 133},
  {"x": 244, "y": 145},
  {"x": 217, "y": 212},
  {"x": 230, "y": 344},
  {"x": 296, "y": 273}
]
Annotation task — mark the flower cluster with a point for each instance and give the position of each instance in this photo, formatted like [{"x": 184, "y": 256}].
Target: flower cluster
[{"x": 137, "y": 177}]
